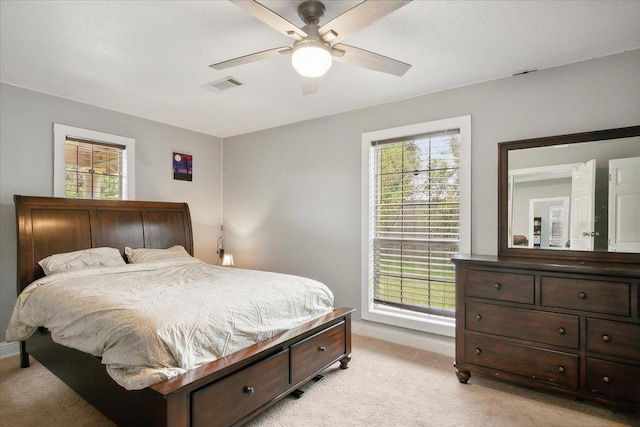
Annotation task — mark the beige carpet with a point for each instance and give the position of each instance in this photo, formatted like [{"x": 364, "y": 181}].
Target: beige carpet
[{"x": 385, "y": 385}]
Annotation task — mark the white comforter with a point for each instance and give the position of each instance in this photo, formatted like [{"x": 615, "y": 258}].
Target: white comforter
[{"x": 151, "y": 322}]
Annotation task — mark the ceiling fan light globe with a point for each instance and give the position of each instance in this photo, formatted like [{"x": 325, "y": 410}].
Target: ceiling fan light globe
[{"x": 311, "y": 59}]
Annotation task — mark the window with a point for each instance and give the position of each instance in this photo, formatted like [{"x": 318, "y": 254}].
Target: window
[
  {"x": 417, "y": 217},
  {"x": 94, "y": 170},
  {"x": 92, "y": 165}
]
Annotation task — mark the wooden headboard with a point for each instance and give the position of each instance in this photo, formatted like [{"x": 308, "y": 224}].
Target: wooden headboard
[{"x": 49, "y": 225}]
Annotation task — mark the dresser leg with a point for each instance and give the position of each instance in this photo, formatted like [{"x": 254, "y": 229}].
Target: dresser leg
[
  {"x": 463, "y": 375},
  {"x": 344, "y": 362}
]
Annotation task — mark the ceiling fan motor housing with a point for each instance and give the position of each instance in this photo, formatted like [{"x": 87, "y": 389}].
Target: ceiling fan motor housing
[{"x": 313, "y": 38}]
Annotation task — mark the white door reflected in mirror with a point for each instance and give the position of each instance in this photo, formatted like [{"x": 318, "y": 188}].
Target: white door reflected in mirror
[
  {"x": 583, "y": 190},
  {"x": 624, "y": 205}
]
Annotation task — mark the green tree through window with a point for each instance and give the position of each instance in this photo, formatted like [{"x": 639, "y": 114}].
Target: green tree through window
[{"x": 416, "y": 222}]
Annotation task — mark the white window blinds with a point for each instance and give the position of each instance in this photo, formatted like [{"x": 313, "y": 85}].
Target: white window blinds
[
  {"x": 416, "y": 224},
  {"x": 94, "y": 170}
]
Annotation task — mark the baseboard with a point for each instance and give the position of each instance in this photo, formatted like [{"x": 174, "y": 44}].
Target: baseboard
[
  {"x": 9, "y": 349},
  {"x": 445, "y": 345}
]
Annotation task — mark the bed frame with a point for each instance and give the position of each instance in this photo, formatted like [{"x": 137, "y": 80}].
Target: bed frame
[{"x": 228, "y": 391}]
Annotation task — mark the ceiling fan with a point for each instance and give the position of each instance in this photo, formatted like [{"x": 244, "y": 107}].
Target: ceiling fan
[{"x": 316, "y": 46}]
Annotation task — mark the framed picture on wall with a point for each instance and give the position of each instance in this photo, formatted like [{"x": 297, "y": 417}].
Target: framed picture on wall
[{"x": 182, "y": 166}]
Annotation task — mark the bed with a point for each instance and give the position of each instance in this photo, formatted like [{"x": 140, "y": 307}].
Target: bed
[{"x": 227, "y": 391}]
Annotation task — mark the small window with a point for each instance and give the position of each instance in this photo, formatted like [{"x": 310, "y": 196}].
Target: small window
[
  {"x": 92, "y": 165},
  {"x": 95, "y": 170}
]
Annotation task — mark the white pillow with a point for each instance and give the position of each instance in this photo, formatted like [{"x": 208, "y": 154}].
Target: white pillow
[
  {"x": 137, "y": 256},
  {"x": 94, "y": 257}
]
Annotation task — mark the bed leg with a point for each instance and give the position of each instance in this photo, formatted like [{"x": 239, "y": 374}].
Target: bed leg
[
  {"x": 24, "y": 356},
  {"x": 344, "y": 362}
]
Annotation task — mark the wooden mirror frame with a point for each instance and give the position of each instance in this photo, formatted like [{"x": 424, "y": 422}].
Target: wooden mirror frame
[{"x": 503, "y": 196}]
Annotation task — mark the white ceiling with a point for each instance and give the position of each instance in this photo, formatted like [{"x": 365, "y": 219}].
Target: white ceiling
[{"x": 150, "y": 59}]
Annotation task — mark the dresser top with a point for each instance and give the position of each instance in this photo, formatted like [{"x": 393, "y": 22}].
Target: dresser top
[{"x": 568, "y": 266}]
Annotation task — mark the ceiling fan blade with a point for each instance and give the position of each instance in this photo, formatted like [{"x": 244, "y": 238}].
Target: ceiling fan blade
[
  {"x": 309, "y": 85},
  {"x": 258, "y": 56},
  {"x": 358, "y": 17},
  {"x": 270, "y": 18},
  {"x": 373, "y": 61}
]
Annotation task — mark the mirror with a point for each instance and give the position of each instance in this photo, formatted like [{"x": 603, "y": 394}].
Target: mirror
[{"x": 556, "y": 197}]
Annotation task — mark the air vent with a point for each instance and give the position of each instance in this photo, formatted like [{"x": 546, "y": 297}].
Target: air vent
[{"x": 222, "y": 84}]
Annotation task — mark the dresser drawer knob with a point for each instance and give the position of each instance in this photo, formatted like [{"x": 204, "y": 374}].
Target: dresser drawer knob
[
  {"x": 561, "y": 369},
  {"x": 562, "y": 331},
  {"x": 322, "y": 348},
  {"x": 249, "y": 390},
  {"x": 582, "y": 295},
  {"x": 497, "y": 286},
  {"x": 478, "y": 317},
  {"x": 606, "y": 380},
  {"x": 478, "y": 351},
  {"x": 606, "y": 338}
]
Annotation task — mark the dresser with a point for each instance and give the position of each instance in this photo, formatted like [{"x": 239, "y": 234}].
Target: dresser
[{"x": 565, "y": 326}]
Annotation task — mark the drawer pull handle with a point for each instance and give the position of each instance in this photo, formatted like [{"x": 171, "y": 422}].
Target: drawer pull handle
[
  {"x": 582, "y": 295},
  {"x": 249, "y": 390},
  {"x": 606, "y": 379},
  {"x": 497, "y": 286},
  {"x": 561, "y": 369},
  {"x": 606, "y": 338},
  {"x": 562, "y": 331},
  {"x": 478, "y": 316},
  {"x": 323, "y": 348},
  {"x": 478, "y": 351}
]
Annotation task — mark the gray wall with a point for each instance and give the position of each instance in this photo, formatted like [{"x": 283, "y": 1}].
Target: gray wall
[
  {"x": 26, "y": 167},
  {"x": 292, "y": 194}
]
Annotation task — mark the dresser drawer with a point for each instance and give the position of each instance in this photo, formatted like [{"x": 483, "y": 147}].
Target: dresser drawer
[
  {"x": 612, "y": 379},
  {"x": 512, "y": 287},
  {"x": 228, "y": 400},
  {"x": 613, "y": 338},
  {"x": 540, "y": 364},
  {"x": 532, "y": 325},
  {"x": 586, "y": 295},
  {"x": 317, "y": 351}
]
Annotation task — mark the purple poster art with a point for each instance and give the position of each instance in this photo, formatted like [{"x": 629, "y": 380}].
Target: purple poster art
[{"x": 182, "y": 167}]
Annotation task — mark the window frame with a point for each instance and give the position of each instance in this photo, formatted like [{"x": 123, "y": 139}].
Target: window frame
[
  {"x": 60, "y": 135},
  {"x": 390, "y": 315}
]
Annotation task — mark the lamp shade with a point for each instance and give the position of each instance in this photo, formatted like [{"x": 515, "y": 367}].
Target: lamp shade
[
  {"x": 227, "y": 259},
  {"x": 311, "y": 58}
]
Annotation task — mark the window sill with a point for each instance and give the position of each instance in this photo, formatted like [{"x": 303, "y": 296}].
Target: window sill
[{"x": 411, "y": 320}]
